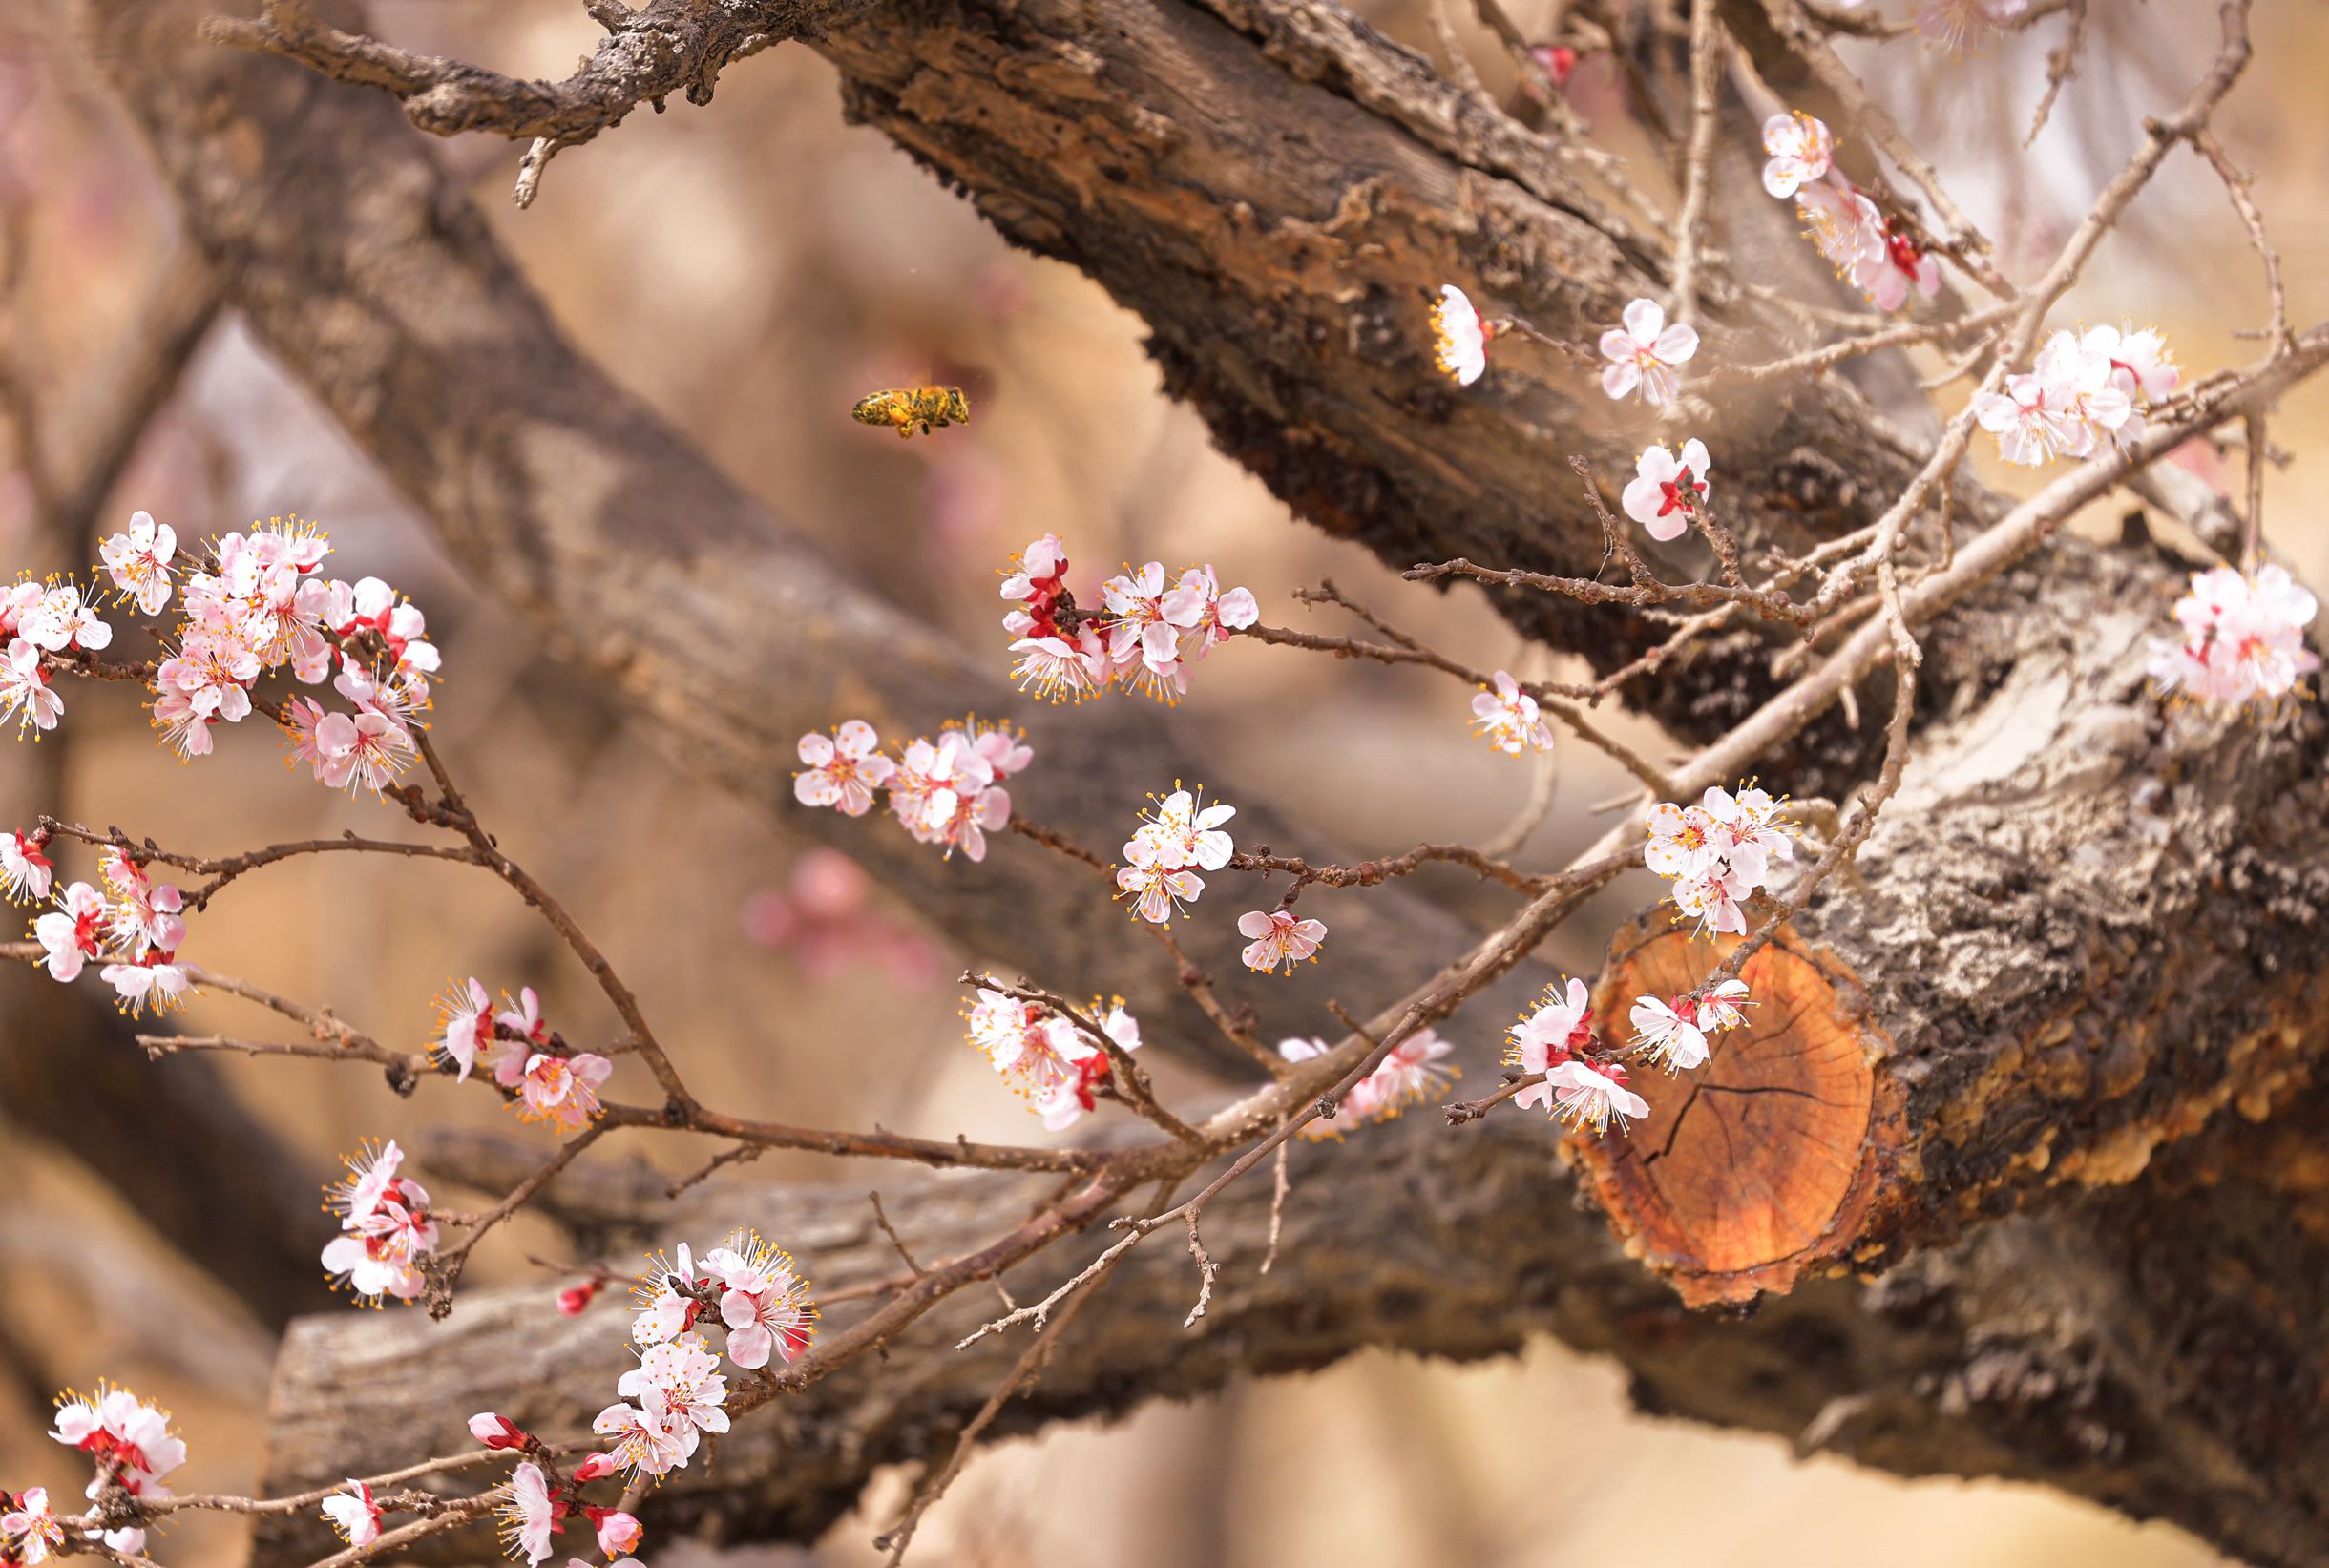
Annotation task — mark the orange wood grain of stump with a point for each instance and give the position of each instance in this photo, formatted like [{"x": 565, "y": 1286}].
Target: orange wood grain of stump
[{"x": 1764, "y": 1163}]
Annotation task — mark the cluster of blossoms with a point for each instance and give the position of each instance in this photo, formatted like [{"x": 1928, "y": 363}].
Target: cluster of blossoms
[
  {"x": 133, "y": 923},
  {"x": 1717, "y": 853},
  {"x": 1410, "y": 1073},
  {"x": 535, "y": 1503},
  {"x": 249, "y": 603},
  {"x": 2083, "y": 388},
  {"x": 134, "y": 1449},
  {"x": 1507, "y": 718},
  {"x": 36, "y": 620},
  {"x": 386, "y": 1228},
  {"x": 1672, "y": 1035},
  {"x": 1150, "y": 631},
  {"x": 2243, "y": 638},
  {"x": 1044, "y": 1056},
  {"x": 949, "y": 792},
  {"x": 675, "y": 1394},
  {"x": 1868, "y": 251},
  {"x": 1177, "y": 838},
  {"x": 1581, "y": 1086},
  {"x": 547, "y": 1080},
  {"x": 1667, "y": 490},
  {"x": 534, "y": 1506}
]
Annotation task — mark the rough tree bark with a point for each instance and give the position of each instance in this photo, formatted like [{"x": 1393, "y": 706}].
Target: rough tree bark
[
  {"x": 2081, "y": 955},
  {"x": 2152, "y": 1348}
]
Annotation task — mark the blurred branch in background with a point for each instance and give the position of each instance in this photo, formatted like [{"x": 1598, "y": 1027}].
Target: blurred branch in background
[{"x": 71, "y": 1071}]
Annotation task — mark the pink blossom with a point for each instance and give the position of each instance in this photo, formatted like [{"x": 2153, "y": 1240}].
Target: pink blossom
[
  {"x": 1057, "y": 669},
  {"x": 529, "y": 1515},
  {"x": 2140, "y": 363},
  {"x": 1847, "y": 228},
  {"x": 125, "y": 1432},
  {"x": 1588, "y": 1096},
  {"x": 138, "y": 562},
  {"x": 1205, "y": 615},
  {"x": 619, "y": 1533},
  {"x": 25, "y": 693},
  {"x": 352, "y": 1512},
  {"x": 1508, "y": 720},
  {"x": 1712, "y": 899},
  {"x": 844, "y": 770},
  {"x": 386, "y": 1227},
  {"x": 1088, "y": 1069},
  {"x": 1279, "y": 939},
  {"x": 1407, "y": 1074},
  {"x": 666, "y": 1313},
  {"x": 1143, "y": 644},
  {"x": 1665, "y": 492},
  {"x": 1645, "y": 353},
  {"x": 213, "y": 670},
  {"x": 142, "y": 915},
  {"x": 946, "y": 794},
  {"x": 645, "y": 1444},
  {"x": 25, "y": 872},
  {"x": 15, "y": 599},
  {"x": 1182, "y": 831},
  {"x": 182, "y": 725},
  {"x": 763, "y": 1301},
  {"x": 1802, "y": 151},
  {"x": 1157, "y": 892},
  {"x": 28, "y": 1533},
  {"x": 562, "y": 1090},
  {"x": 373, "y": 607},
  {"x": 60, "y": 618},
  {"x": 1560, "y": 1027},
  {"x": 69, "y": 932},
  {"x": 152, "y": 981},
  {"x": 678, "y": 1380},
  {"x": 1460, "y": 338},
  {"x": 2243, "y": 638},
  {"x": 464, "y": 1025},
  {"x": 365, "y": 752}
]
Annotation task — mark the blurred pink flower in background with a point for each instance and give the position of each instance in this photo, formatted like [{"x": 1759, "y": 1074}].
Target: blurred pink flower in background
[{"x": 824, "y": 919}]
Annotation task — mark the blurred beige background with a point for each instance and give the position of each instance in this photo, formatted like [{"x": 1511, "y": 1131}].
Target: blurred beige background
[{"x": 750, "y": 269}]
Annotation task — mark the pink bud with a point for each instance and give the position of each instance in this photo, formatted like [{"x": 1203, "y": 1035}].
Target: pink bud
[
  {"x": 497, "y": 1430},
  {"x": 576, "y": 1299},
  {"x": 594, "y": 1467},
  {"x": 618, "y": 1535}
]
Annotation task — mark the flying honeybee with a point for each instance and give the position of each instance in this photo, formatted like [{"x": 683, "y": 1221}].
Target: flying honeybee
[{"x": 907, "y": 409}]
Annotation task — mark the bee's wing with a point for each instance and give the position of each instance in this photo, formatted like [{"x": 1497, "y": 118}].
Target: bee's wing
[{"x": 977, "y": 383}]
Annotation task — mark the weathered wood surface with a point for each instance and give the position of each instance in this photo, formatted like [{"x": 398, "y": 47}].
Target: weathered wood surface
[{"x": 2154, "y": 1347}]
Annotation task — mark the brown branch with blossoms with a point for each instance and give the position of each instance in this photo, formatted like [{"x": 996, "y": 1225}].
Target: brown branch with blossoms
[{"x": 1147, "y": 636}]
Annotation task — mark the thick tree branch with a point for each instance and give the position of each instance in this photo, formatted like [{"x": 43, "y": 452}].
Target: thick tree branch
[{"x": 2035, "y": 1351}]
